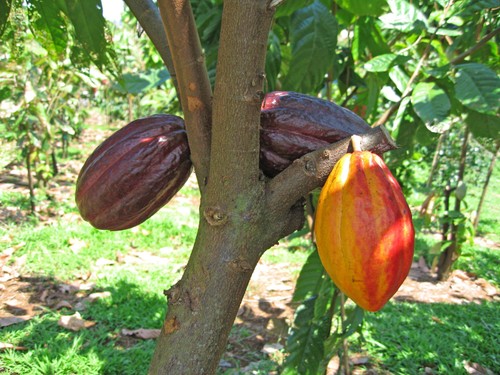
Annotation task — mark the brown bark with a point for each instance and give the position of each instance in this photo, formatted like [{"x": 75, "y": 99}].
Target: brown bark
[
  {"x": 451, "y": 253},
  {"x": 194, "y": 85},
  {"x": 486, "y": 183}
]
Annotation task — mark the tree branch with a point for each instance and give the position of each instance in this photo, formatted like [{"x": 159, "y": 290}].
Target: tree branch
[
  {"x": 148, "y": 16},
  {"x": 192, "y": 75},
  {"x": 311, "y": 170},
  {"x": 475, "y": 47}
]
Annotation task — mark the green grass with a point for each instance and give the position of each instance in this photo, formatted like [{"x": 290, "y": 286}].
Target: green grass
[
  {"x": 403, "y": 338},
  {"x": 406, "y": 338}
]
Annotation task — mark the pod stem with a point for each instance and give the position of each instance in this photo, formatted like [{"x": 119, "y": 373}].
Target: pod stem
[{"x": 356, "y": 143}]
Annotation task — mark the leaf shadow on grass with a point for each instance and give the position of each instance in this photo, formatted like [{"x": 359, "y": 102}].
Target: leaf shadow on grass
[
  {"x": 100, "y": 349},
  {"x": 415, "y": 338}
]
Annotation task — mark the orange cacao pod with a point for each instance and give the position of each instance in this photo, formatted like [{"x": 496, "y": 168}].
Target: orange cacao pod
[
  {"x": 134, "y": 173},
  {"x": 364, "y": 230}
]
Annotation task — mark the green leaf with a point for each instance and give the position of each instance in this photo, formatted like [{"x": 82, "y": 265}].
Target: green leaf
[
  {"x": 48, "y": 26},
  {"x": 137, "y": 83},
  {"x": 472, "y": 7},
  {"x": 367, "y": 34},
  {"x": 404, "y": 17},
  {"x": 477, "y": 87},
  {"x": 364, "y": 8},
  {"x": 89, "y": 23},
  {"x": 383, "y": 63},
  {"x": 310, "y": 278},
  {"x": 305, "y": 343},
  {"x": 399, "y": 77},
  {"x": 288, "y": 7},
  {"x": 273, "y": 61},
  {"x": 374, "y": 86},
  {"x": 313, "y": 38},
  {"x": 4, "y": 14},
  {"x": 482, "y": 125},
  {"x": 432, "y": 105}
]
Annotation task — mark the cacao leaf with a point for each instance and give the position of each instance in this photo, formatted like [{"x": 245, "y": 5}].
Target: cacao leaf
[
  {"x": 478, "y": 87},
  {"x": 383, "y": 63},
  {"x": 273, "y": 61},
  {"x": 313, "y": 37},
  {"x": 472, "y": 7},
  {"x": 48, "y": 26},
  {"x": 482, "y": 125},
  {"x": 305, "y": 343},
  {"x": 432, "y": 105},
  {"x": 4, "y": 14},
  {"x": 352, "y": 323},
  {"x": 364, "y": 8},
  {"x": 89, "y": 25},
  {"x": 309, "y": 280},
  {"x": 367, "y": 34},
  {"x": 404, "y": 17},
  {"x": 399, "y": 77},
  {"x": 287, "y": 8}
]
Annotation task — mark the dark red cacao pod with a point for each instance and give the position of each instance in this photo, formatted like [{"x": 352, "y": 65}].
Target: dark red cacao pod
[
  {"x": 134, "y": 173},
  {"x": 294, "y": 124}
]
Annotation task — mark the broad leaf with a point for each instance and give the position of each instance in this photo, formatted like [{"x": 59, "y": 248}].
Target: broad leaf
[
  {"x": 399, "y": 77},
  {"x": 404, "y": 17},
  {"x": 48, "y": 26},
  {"x": 313, "y": 38},
  {"x": 273, "y": 61},
  {"x": 383, "y": 63},
  {"x": 310, "y": 278},
  {"x": 305, "y": 343},
  {"x": 89, "y": 23},
  {"x": 373, "y": 84},
  {"x": 364, "y": 8},
  {"x": 137, "y": 83},
  {"x": 471, "y": 7},
  {"x": 481, "y": 125},
  {"x": 367, "y": 34},
  {"x": 478, "y": 87},
  {"x": 4, "y": 14},
  {"x": 432, "y": 105},
  {"x": 288, "y": 7}
]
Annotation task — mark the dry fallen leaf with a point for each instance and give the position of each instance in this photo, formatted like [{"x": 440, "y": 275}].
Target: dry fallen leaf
[
  {"x": 63, "y": 304},
  {"x": 76, "y": 244},
  {"x": 6, "y": 345},
  {"x": 74, "y": 322},
  {"x": 95, "y": 296},
  {"x": 10, "y": 320},
  {"x": 142, "y": 333},
  {"x": 271, "y": 348},
  {"x": 476, "y": 369}
]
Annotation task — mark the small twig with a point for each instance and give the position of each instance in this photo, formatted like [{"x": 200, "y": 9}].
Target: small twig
[{"x": 475, "y": 47}]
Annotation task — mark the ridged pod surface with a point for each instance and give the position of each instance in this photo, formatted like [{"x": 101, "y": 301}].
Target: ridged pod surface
[
  {"x": 134, "y": 173},
  {"x": 294, "y": 124},
  {"x": 364, "y": 230}
]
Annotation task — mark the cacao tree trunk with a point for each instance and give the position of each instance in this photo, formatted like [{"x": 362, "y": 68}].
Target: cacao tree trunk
[
  {"x": 435, "y": 160},
  {"x": 451, "y": 253},
  {"x": 30, "y": 181},
  {"x": 242, "y": 213},
  {"x": 486, "y": 183}
]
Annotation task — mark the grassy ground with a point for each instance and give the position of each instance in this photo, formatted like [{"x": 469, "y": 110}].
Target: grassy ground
[{"x": 58, "y": 258}]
